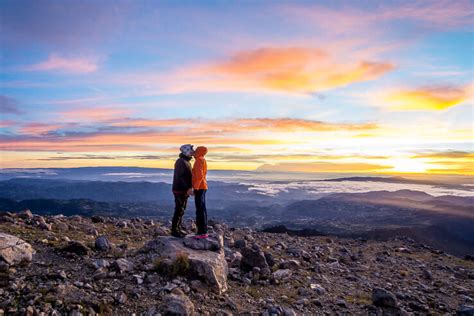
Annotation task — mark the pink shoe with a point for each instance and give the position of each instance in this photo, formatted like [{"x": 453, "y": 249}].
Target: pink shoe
[{"x": 203, "y": 236}]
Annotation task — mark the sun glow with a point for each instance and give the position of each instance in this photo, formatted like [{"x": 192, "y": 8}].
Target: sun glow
[{"x": 408, "y": 165}]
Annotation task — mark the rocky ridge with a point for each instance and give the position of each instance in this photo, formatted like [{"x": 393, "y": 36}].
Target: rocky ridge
[{"x": 56, "y": 265}]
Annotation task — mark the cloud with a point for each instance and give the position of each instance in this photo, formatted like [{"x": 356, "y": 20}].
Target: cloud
[
  {"x": 56, "y": 63},
  {"x": 323, "y": 166},
  {"x": 119, "y": 132},
  {"x": 9, "y": 105},
  {"x": 451, "y": 154},
  {"x": 95, "y": 114},
  {"x": 436, "y": 98},
  {"x": 285, "y": 69},
  {"x": 415, "y": 15},
  {"x": 102, "y": 157}
]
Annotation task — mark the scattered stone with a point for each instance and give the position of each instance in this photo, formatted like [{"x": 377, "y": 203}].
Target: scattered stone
[
  {"x": 465, "y": 310},
  {"x": 122, "y": 224},
  {"x": 254, "y": 257},
  {"x": 281, "y": 274},
  {"x": 177, "y": 304},
  {"x": 14, "y": 250},
  {"x": 290, "y": 264},
  {"x": 123, "y": 265},
  {"x": 97, "y": 219},
  {"x": 383, "y": 298},
  {"x": 76, "y": 247},
  {"x": 25, "y": 214},
  {"x": 102, "y": 243},
  {"x": 122, "y": 298},
  {"x": 240, "y": 244}
]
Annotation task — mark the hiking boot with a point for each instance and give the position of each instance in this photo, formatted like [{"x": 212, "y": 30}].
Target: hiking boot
[
  {"x": 201, "y": 236},
  {"x": 178, "y": 234}
]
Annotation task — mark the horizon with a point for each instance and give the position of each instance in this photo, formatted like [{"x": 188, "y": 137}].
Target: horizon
[{"x": 309, "y": 87}]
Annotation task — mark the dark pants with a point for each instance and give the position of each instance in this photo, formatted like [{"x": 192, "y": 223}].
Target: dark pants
[
  {"x": 201, "y": 211},
  {"x": 180, "y": 201}
]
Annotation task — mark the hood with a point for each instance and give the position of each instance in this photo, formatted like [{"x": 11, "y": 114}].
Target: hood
[{"x": 200, "y": 151}]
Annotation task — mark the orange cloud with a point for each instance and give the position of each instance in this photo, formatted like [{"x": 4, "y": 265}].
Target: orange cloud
[
  {"x": 277, "y": 69},
  {"x": 294, "y": 69},
  {"x": 428, "y": 98}
]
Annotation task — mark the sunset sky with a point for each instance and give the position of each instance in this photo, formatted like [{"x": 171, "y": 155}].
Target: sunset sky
[{"x": 311, "y": 86}]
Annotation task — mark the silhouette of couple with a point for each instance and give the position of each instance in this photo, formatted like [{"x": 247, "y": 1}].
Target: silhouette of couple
[{"x": 188, "y": 181}]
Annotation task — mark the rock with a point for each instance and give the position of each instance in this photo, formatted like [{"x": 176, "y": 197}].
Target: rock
[
  {"x": 383, "y": 298},
  {"x": 122, "y": 298},
  {"x": 149, "y": 222},
  {"x": 213, "y": 242},
  {"x": 97, "y": 219},
  {"x": 241, "y": 243},
  {"x": 60, "y": 226},
  {"x": 281, "y": 274},
  {"x": 189, "y": 225},
  {"x": 289, "y": 312},
  {"x": 76, "y": 247},
  {"x": 469, "y": 257},
  {"x": 290, "y": 264},
  {"x": 318, "y": 289},
  {"x": 14, "y": 250},
  {"x": 211, "y": 266},
  {"x": 465, "y": 310},
  {"x": 123, "y": 265},
  {"x": 122, "y": 224},
  {"x": 25, "y": 214},
  {"x": 254, "y": 257},
  {"x": 427, "y": 274},
  {"x": 269, "y": 257},
  {"x": 235, "y": 259},
  {"x": 341, "y": 303},
  {"x": 102, "y": 243},
  {"x": 100, "y": 273},
  {"x": 101, "y": 263},
  {"x": 177, "y": 304}
]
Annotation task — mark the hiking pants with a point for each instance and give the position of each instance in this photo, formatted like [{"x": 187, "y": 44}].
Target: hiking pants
[
  {"x": 180, "y": 201},
  {"x": 201, "y": 211}
]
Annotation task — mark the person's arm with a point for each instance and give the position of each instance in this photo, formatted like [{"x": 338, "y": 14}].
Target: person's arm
[{"x": 198, "y": 174}]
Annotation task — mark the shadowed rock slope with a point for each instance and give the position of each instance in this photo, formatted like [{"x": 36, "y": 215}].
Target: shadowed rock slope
[{"x": 112, "y": 266}]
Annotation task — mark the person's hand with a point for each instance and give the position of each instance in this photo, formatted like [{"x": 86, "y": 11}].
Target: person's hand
[{"x": 190, "y": 192}]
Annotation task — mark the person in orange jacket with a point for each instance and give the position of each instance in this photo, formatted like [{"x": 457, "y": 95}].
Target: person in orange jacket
[{"x": 200, "y": 189}]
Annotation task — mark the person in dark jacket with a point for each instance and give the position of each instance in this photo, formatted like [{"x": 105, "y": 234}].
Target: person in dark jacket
[{"x": 182, "y": 188}]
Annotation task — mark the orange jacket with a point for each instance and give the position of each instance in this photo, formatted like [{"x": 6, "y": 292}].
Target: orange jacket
[{"x": 200, "y": 169}]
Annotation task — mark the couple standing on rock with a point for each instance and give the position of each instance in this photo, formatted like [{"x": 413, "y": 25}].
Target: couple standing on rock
[{"x": 189, "y": 181}]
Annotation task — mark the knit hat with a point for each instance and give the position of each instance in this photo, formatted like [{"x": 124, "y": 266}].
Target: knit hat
[{"x": 187, "y": 150}]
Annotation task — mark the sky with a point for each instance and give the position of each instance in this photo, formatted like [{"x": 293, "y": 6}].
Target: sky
[{"x": 303, "y": 86}]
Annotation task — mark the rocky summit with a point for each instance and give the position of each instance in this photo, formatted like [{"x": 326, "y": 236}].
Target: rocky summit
[{"x": 57, "y": 265}]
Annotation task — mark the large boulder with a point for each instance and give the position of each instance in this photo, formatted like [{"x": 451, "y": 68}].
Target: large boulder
[
  {"x": 14, "y": 250},
  {"x": 210, "y": 266}
]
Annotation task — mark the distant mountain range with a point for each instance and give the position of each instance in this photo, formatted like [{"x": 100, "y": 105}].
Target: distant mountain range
[{"x": 445, "y": 221}]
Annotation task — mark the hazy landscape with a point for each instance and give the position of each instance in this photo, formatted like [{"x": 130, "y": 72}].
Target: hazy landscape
[{"x": 440, "y": 215}]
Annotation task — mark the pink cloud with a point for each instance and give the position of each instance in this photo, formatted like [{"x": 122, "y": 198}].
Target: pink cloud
[
  {"x": 66, "y": 65},
  {"x": 95, "y": 114}
]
